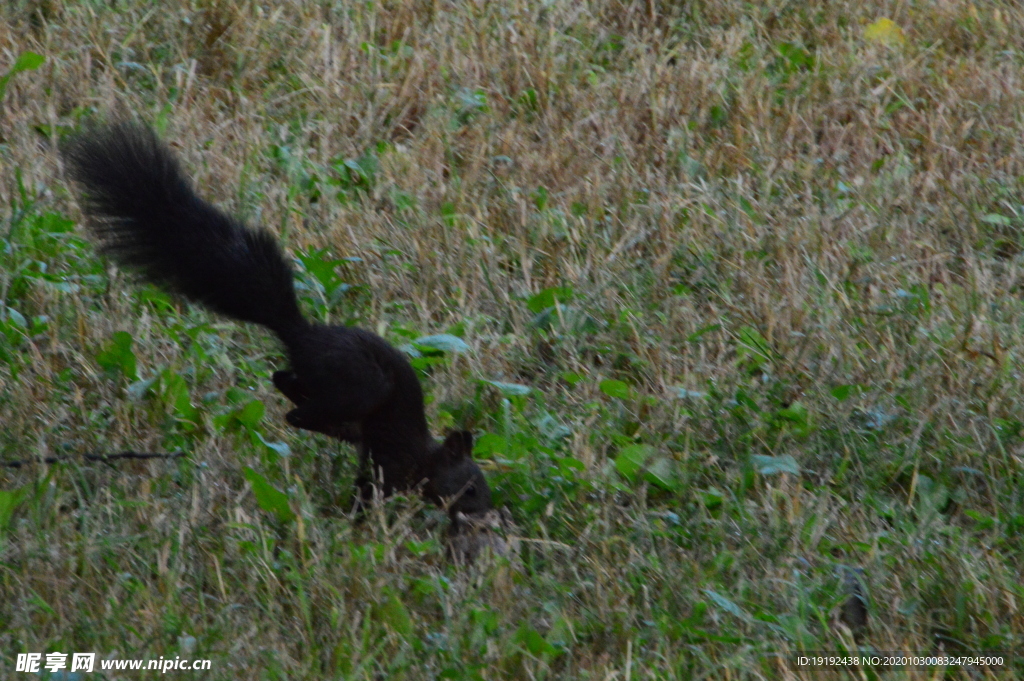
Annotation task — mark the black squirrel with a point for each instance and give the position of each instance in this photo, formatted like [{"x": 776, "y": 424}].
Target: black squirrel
[{"x": 346, "y": 382}]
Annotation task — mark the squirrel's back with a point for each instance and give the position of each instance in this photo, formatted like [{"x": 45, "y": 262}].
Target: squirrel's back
[{"x": 144, "y": 212}]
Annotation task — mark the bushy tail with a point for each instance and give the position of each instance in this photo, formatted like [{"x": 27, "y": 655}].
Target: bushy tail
[{"x": 145, "y": 214}]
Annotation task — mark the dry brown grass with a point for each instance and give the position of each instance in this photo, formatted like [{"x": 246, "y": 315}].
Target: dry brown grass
[{"x": 678, "y": 166}]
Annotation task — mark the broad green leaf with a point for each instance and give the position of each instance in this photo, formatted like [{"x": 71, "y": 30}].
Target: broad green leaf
[
  {"x": 178, "y": 397},
  {"x": 279, "y": 448},
  {"x": 631, "y": 459},
  {"x": 549, "y": 297},
  {"x": 410, "y": 350},
  {"x": 395, "y": 615},
  {"x": 533, "y": 642},
  {"x": 571, "y": 377},
  {"x": 118, "y": 357},
  {"x": 684, "y": 394},
  {"x": 489, "y": 444},
  {"x": 726, "y": 604},
  {"x": 137, "y": 390},
  {"x": 712, "y": 497},
  {"x": 997, "y": 219},
  {"x": 842, "y": 392},
  {"x": 550, "y": 427},
  {"x": 444, "y": 342},
  {"x": 795, "y": 413},
  {"x": 26, "y": 61},
  {"x": 268, "y": 497},
  {"x": 510, "y": 389},
  {"x": 617, "y": 389},
  {"x": 251, "y": 414},
  {"x": 770, "y": 465},
  {"x": 9, "y": 502},
  {"x": 16, "y": 318},
  {"x": 662, "y": 472}
]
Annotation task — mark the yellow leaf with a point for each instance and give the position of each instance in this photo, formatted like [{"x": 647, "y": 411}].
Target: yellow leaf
[{"x": 885, "y": 31}]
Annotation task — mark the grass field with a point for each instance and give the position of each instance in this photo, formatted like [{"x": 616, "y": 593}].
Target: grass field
[{"x": 730, "y": 294}]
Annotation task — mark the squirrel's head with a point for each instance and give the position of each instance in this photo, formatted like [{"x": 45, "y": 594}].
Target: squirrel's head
[{"x": 457, "y": 483}]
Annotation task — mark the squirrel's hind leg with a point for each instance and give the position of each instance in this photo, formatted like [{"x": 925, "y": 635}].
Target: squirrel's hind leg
[{"x": 310, "y": 416}]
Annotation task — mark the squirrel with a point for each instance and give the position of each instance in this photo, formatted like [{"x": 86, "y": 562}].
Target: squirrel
[{"x": 346, "y": 382}]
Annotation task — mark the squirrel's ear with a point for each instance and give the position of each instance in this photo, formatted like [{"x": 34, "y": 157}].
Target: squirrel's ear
[{"x": 458, "y": 445}]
